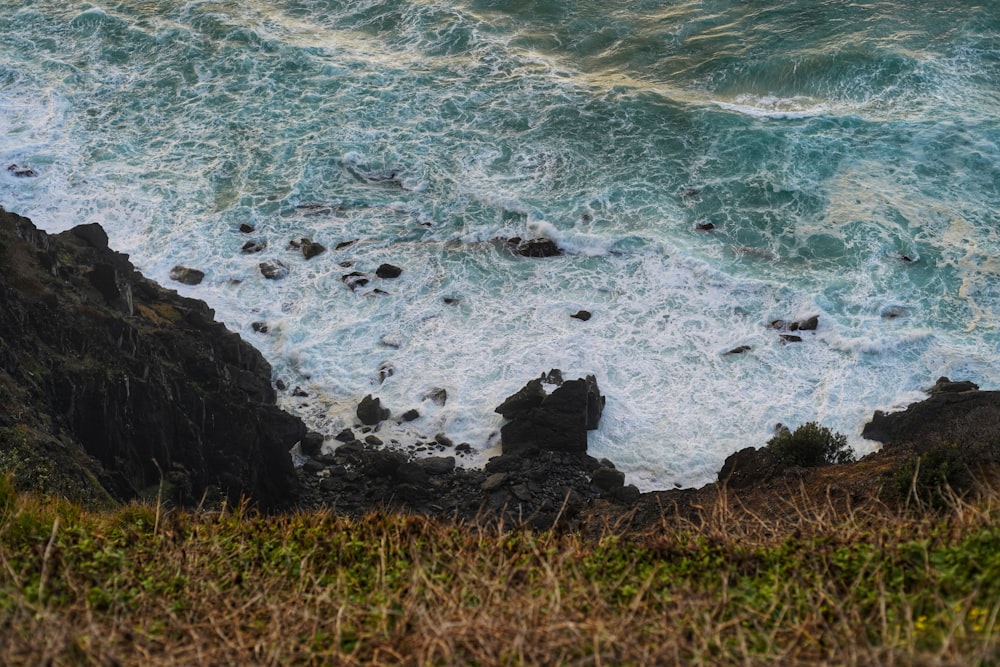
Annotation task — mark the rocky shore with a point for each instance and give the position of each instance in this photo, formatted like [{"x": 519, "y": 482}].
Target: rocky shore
[{"x": 114, "y": 388}]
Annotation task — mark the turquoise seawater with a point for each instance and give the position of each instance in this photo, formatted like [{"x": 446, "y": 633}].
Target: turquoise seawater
[{"x": 846, "y": 153}]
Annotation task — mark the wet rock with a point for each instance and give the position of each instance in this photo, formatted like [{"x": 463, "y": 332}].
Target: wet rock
[
  {"x": 259, "y": 327},
  {"x": 582, "y": 315},
  {"x": 373, "y": 440},
  {"x": 246, "y": 229},
  {"x": 345, "y": 244},
  {"x": 187, "y": 276},
  {"x": 705, "y": 226},
  {"x": 311, "y": 443},
  {"x": 410, "y": 415},
  {"x": 436, "y": 395},
  {"x": 524, "y": 400},
  {"x": 388, "y": 271},
  {"x": 451, "y": 301},
  {"x": 253, "y": 247},
  {"x": 539, "y": 247},
  {"x": 443, "y": 440},
  {"x": 412, "y": 473},
  {"x": 737, "y": 350},
  {"x": 311, "y": 248},
  {"x": 370, "y": 411},
  {"x": 809, "y": 324},
  {"x": 789, "y": 338},
  {"x": 21, "y": 171},
  {"x": 385, "y": 371},
  {"x": 347, "y": 435},
  {"x": 273, "y": 269},
  {"x": 355, "y": 279}
]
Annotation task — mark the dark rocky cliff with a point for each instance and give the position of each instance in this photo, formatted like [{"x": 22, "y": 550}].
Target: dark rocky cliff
[{"x": 110, "y": 383}]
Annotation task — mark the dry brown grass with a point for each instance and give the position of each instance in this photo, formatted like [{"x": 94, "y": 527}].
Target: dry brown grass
[{"x": 144, "y": 587}]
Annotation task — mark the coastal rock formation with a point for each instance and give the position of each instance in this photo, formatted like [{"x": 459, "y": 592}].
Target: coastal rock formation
[
  {"x": 558, "y": 421},
  {"x": 111, "y": 385},
  {"x": 956, "y": 412}
]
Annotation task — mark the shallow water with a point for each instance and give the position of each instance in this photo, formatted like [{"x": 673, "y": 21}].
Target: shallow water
[{"x": 847, "y": 155}]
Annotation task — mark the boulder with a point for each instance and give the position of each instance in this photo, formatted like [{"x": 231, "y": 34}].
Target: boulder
[
  {"x": 582, "y": 315},
  {"x": 388, "y": 271},
  {"x": 311, "y": 248},
  {"x": 558, "y": 421},
  {"x": 311, "y": 443},
  {"x": 183, "y": 274},
  {"x": 749, "y": 467},
  {"x": 273, "y": 269},
  {"x": 370, "y": 411},
  {"x": 539, "y": 247}
]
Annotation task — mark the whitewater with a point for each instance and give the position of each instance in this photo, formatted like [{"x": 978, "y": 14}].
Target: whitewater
[{"x": 708, "y": 167}]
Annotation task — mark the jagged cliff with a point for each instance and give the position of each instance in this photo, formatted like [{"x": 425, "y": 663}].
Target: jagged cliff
[{"x": 111, "y": 386}]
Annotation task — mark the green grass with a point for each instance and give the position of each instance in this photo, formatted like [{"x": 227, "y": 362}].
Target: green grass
[{"x": 143, "y": 586}]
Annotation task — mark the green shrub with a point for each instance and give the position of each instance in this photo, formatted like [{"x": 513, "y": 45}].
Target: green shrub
[
  {"x": 933, "y": 476},
  {"x": 810, "y": 445}
]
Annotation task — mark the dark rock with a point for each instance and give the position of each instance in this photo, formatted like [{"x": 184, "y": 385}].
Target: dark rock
[
  {"x": 373, "y": 440},
  {"x": 311, "y": 443},
  {"x": 495, "y": 481},
  {"x": 384, "y": 462},
  {"x": 559, "y": 422},
  {"x": 388, "y": 271},
  {"x": 691, "y": 192},
  {"x": 523, "y": 400},
  {"x": 437, "y": 395},
  {"x": 521, "y": 492},
  {"x": 311, "y": 248},
  {"x": 451, "y": 301},
  {"x": 280, "y": 385},
  {"x": 142, "y": 393},
  {"x": 370, "y": 411},
  {"x": 412, "y": 473},
  {"x": 183, "y": 274},
  {"x": 273, "y": 269},
  {"x": 582, "y": 315},
  {"x": 608, "y": 478},
  {"x": 349, "y": 449},
  {"x": 21, "y": 171},
  {"x": 312, "y": 466},
  {"x": 410, "y": 415},
  {"x": 626, "y": 494},
  {"x": 385, "y": 371},
  {"x": 443, "y": 440},
  {"x": 540, "y": 247},
  {"x": 299, "y": 392},
  {"x": 93, "y": 234},
  {"x": 438, "y": 465},
  {"x": 252, "y": 247},
  {"x": 246, "y": 229},
  {"x": 463, "y": 448},
  {"x": 113, "y": 286},
  {"x": 705, "y": 226},
  {"x": 347, "y": 435},
  {"x": 259, "y": 327},
  {"x": 355, "y": 279},
  {"x": 749, "y": 467},
  {"x": 809, "y": 324},
  {"x": 345, "y": 244},
  {"x": 738, "y": 350},
  {"x": 788, "y": 338},
  {"x": 953, "y": 412}
]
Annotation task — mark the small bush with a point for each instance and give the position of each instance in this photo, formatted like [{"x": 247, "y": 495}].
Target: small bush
[
  {"x": 810, "y": 445},
  {"x": 933, "y": 476}
]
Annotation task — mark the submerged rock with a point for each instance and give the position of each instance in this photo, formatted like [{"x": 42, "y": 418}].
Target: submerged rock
[
  {"x": 388, "y": 271},
  {"x": 273, "y": 269}
]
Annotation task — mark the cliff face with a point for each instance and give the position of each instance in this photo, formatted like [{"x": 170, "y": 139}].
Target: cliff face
[{"x": 110, "y": 383}]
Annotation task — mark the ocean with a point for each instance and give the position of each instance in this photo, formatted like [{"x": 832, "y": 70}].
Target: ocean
[{"x": 708, "y": 167}]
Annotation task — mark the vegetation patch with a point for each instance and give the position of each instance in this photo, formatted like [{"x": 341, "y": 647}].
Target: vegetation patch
[
  {"x": 141, "y": 585},
  {"x": 810, "y": 445}
]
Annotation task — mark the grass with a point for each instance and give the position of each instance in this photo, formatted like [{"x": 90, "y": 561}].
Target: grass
[{"x": 143, "y": 586}]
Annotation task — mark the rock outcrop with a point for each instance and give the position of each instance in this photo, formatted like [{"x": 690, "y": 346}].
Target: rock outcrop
[
  {"x": 127, "y": 386},
  {"x": 556, "y": 422}
]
